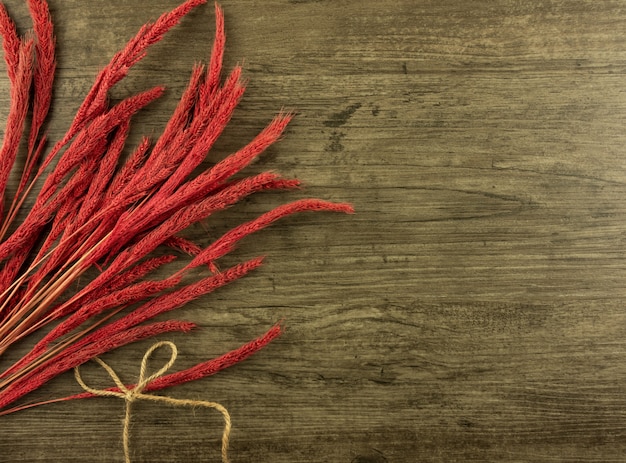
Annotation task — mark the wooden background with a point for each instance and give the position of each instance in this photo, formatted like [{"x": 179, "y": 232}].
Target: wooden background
[{"x": 472, "y": 310}]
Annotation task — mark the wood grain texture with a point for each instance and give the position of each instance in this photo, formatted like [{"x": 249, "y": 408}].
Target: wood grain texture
[{"x": 471, "y": 311}]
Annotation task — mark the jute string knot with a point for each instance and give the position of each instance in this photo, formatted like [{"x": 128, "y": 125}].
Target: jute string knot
[{"x": 135, "y": 393}]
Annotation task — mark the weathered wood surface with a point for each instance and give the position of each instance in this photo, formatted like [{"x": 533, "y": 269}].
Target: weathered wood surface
[{"x": 471, "y": 311}]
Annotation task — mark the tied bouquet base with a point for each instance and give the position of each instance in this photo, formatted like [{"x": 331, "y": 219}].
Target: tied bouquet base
[{"x": 93, "y": 209}]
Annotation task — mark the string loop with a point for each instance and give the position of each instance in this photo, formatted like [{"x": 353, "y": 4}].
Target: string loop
[{"x": 134, "y": 393}]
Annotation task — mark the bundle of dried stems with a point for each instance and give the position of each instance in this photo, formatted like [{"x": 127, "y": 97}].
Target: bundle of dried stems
[{"x": 95, "y": 208}]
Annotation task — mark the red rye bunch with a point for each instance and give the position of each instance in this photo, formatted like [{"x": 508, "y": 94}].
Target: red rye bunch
[{"x": 94, "y": 209}]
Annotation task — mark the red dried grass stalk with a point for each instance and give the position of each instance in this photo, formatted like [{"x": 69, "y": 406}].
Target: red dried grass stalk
[{"x": 95, "y": 210}]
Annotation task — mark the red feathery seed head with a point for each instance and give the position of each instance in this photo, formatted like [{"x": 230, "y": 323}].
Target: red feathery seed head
[
  {"x": 184, "y": 245},
  {"x": 10, "y": 42},
  {"x": 226, "y": 243},
  {"x": 213, "y": 366},
  {"x": 46, "y": 66},
  {"x": 181, "y": 117},
  {"x": 217, "y": 55},
  {"x": 20, "y": 91},
  {"x": 106, "y": 169},
  {"x": 128, "y": 171}
]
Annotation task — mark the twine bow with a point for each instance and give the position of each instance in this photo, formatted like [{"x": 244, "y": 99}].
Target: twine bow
[{"x": 135, "y": 393}]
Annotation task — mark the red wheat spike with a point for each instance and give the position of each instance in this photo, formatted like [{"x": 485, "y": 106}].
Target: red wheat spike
[
  {"x": 127, "y": 171},
  {"x": 10, "y": 42},
  {"x": 96, "y": 101},
  {"x": 181, "y": 117},
  {"x": 184, "y": 245},
  {"x": 25, "y": 237},
  {"x": 46, "y": 66},
  {"x": 162, "y": 162},
  {"x": 227, "y": 242},
  {"x": 217, "y": 56},
  {"x": 17, "y": 114},
  {"x": 215, "y": 365},
  {"x": 93, "y": 200}
]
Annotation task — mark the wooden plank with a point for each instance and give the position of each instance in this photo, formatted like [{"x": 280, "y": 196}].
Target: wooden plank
[{"x": 472, "y": 309}]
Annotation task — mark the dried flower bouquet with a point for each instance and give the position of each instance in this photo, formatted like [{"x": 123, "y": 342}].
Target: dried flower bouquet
[{"x": 91, "y": 208}]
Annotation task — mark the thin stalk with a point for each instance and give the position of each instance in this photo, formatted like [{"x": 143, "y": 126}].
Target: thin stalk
[{"x": 40, "y": 302}]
